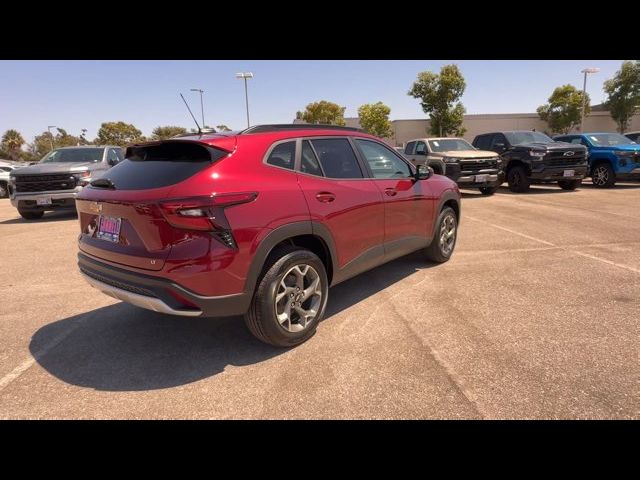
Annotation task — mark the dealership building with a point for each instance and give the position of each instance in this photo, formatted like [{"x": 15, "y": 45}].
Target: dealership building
[{"x": 599, "y": 120}]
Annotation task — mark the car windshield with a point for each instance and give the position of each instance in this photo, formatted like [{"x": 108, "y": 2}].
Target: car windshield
[
  {"x": 73, "y": 155},
  {"x": 516, "y": 138},
  {"x": 608, "y": 139},
  {"x": 448, "y": 144}
]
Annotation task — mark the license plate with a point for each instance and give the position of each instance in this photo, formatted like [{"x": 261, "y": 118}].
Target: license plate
[
  {"x": 43, "y": 201},
  {"x": 569, "y": 173},
  {"x": 109, "y": 228},
  {"x": 481, "y": 178}
]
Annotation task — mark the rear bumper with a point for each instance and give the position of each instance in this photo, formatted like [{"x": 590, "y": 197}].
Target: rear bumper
[
  {"x": 553, "y": 174},
  {"x": 158, "y": 294},
  {"x": 28, "y": 201}
]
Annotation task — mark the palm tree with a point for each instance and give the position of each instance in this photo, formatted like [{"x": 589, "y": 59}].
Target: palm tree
[{"x": 12, "y": 142}]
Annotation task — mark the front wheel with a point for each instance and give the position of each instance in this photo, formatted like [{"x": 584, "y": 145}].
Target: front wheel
[
  {"x": 290, "y": 298},
  {"x": 4, "y": 190},
  {"x": 444, "y": 238},
  {"x": 31, "y": 215},
  {"x": 603, "y": 176},
  {"x": 569, "y": 184},
  {"x": 488, "y": 190},
  {"x": 518, "y": 179}
]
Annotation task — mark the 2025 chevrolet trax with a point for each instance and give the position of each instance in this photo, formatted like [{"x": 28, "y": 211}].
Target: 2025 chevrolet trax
[{"x": 258, "y": 223}]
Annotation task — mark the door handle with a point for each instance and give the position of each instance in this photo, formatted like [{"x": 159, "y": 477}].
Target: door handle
[
  {"x": 325, "y": 197},
  {"x": 391, "y": 192}
]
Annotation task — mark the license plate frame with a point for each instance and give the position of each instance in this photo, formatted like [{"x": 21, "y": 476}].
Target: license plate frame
[
  {"x": 109, "y": 228},
  {"x": 569, "y": 173},
  {"x": 481, "y": 178},
  {"x": 43, "y": 201}
]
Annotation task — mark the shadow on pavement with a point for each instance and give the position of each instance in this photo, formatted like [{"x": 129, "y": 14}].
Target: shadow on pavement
[
  {"x": 124, "y": 348},
  {"x": 48, "y": 217}
]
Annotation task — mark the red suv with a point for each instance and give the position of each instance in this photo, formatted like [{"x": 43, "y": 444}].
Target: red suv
[{"x": 258, "y": 223}]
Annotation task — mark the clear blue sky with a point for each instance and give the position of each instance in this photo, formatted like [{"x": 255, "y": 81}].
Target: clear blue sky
[{"x": 83, "y": 94}]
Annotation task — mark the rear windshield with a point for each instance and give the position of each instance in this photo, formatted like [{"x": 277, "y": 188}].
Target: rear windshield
[{"x": 155, "y": 166}]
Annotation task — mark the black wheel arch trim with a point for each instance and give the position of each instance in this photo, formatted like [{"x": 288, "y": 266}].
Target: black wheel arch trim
[{"x": 281, "y": 234}]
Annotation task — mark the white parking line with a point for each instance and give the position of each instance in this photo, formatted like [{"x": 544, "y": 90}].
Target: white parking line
[{"x": 586, "y": 255}]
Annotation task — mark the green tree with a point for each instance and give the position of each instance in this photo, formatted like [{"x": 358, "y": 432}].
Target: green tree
[
  {"x": 374, "y": 119},
  {"x": 162, "y": 133},
  {"x": 564, "y": 109},
  {"x": 223, "y": 128},
  {"x": 623, "y": 94},
  {"x": 118, "y": 133},
  {"x": 324, "y": 112},
  {"x": 439, "y": 96},
  {"x": 11, "y": 144}
]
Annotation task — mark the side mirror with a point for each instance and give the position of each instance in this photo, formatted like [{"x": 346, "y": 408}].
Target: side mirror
[
  {"x": 112, "y": 162},
  {"x": 423, "y": 172},
  {"x": 421, "y": 152},
  {"x": 499, "y": 147}
]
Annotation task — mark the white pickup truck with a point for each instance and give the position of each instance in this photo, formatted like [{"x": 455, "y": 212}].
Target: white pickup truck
[{"x": 459, "y": 160}]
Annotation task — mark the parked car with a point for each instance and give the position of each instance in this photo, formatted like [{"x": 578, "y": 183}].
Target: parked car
[
  {"x": 459, "y": 160},
  {"x": 258, "y": 223},
  {"x": 54, "y": 182},
  {"x": 6, "y": 167},
  {"x": 633, "y": 136},
  {"x": 532, "y": 157},
  {"x": 611, "y": 157}
]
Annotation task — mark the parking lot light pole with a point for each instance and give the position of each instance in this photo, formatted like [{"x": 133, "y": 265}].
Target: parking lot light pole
[
  {"x": 201, "y": 104},
  {"x": 51, "y": 135},
  {"x": 245, "y": 75},
  {"x": 584, "y": 94}
]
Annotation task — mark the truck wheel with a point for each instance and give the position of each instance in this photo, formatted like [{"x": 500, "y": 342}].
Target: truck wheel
[
  {"x": 31, "y": 214},
  {"x": 569, "y": 184},
  {"x": 4, "y": 191},
  {"x": 290, "y": 298},
  {"x": 444, "y": 237},
  {"x": 488, "y": 190},
  {"x": 518, "y": 180},
  {"x": 603, "y": 176}
]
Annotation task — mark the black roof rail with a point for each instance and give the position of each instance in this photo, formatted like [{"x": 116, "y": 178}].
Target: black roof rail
[{"x": 296, "y": 126}]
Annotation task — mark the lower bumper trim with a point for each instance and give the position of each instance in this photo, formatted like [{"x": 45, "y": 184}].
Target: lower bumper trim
[{"x": 150, "y": 303}]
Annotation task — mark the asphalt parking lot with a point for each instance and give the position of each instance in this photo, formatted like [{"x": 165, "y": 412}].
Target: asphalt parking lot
[{"x": 536, "y": 316}]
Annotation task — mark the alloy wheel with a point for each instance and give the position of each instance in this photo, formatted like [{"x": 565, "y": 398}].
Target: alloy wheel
[
  {"x": 447, "y": 234},
  {"x": 298, "y": 298},
  {"x": 600, "y": 175}
]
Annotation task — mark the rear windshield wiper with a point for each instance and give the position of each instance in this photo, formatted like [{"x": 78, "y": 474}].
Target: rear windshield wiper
[{"x": 103, "y": 183}]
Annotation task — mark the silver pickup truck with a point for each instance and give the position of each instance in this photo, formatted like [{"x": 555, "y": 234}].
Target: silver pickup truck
[
  {"x": 459, "y": 160},
  {"x": 54, "y": 182}
]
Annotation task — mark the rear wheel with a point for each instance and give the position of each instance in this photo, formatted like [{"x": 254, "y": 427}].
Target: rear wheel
[
  {"x": 290, "y": 298},
  {"x": 517, "y": 179},
  {"x": 569, "y": 184},
  {"x": 31, "y": 214},
  {"x": 444, "y": 238},
  {"x": 603, "y": 176},
  {"x": 488, "y": 190}
]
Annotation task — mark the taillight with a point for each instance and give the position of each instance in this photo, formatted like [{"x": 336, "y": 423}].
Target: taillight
[{"x": 205, "y": 213}]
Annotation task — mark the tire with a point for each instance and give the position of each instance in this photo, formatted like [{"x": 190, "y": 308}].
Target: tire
[
  {"x": 4, "y": 190},
  {"x": 603, "y": 176},
  {"x": 31, "y": 214},
  {"x": 518, "y": 179},
  {"x": 488, "y": 190},
  {"x": 280, "y": 272},
  {"x": 569, "y": 184},
  {"x": 436, "y": 251}
]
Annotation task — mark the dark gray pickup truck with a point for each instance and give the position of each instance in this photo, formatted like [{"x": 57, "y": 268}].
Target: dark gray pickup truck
[{"x": 54, "y": 182}]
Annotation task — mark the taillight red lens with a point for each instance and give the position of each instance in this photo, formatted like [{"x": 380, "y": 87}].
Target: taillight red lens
[{"x": 203, "y": 213}]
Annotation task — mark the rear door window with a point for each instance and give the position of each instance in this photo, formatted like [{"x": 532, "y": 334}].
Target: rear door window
[
  {"x": 337, "y": 158},
  {"x": 309, "y": 162},
  {"x": 161, "y": 165}
]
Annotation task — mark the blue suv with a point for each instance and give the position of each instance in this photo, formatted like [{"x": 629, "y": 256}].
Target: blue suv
[{"x": 611, "y": 157}]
